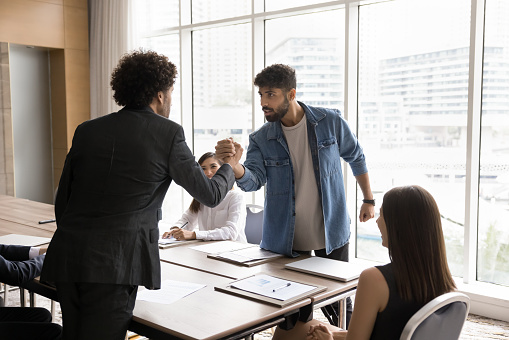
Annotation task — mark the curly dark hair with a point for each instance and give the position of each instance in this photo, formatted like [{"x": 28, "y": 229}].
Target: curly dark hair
[
  {"x": 138, "y": 77},
  {"x": 277, "y": 76}
]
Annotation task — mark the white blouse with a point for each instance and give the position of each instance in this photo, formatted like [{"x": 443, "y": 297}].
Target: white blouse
[{"x": 226, "y": 221}]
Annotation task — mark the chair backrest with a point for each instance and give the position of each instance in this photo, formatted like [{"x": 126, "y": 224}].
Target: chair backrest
[
  {"x": 440, "y": 319},
  {"x": 254, "y": 222}
]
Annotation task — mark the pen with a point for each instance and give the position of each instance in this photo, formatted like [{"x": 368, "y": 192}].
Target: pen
[
  {"x": 183, "y": 225},
  {"x": 47, "y": 221},
  {"x": 278, "y": 288}
]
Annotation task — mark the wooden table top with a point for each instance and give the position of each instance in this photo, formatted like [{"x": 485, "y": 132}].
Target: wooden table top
[
  {"x": 206, "y": 314},
  {"x": 22, "y": 216}
]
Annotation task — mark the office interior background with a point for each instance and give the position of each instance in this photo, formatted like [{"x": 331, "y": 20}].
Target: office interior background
[{"x": 423, "y": 83}]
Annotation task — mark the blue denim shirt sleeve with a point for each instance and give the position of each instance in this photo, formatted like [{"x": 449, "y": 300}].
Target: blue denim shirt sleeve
[
  {"x": 350, "y": 149},
  {"x": 255, "y": 175}
]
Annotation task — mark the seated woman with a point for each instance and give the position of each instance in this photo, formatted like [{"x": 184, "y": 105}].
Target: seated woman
[
  {"x": 223, "y": 222},
  {"x": 387, "y": 296}
]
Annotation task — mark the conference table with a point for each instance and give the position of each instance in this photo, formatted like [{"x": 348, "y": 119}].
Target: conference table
[
  {"x": 186, "y": 256},
  {"x": 205, "y": 314}
]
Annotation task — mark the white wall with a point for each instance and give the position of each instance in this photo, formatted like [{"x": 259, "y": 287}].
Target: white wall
[{"x": 31, "y": 120}]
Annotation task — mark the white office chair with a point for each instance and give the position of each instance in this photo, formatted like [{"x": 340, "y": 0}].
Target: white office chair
[
  {"x": 440, "y": 319},
  {"x": 254, "y": 222}
]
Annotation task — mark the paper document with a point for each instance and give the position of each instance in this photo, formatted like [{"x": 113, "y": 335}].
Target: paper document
[
  {"x": 222, "y": 246},
  {"x": 169, "y": 240},
  {"x": 24, "y": 240},
  {"x": 170, "y": 292},
  {"x": 272, "y": 287},
  {"x": 249, "y": 254}
]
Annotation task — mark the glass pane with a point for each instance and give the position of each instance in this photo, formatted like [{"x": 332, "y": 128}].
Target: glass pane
[
  {"x": 156, "y": 14},
  {"x": 413, "y": 83},
  {"x": 206, "y": 10},
  {"x": 313, "y": 44},
  {"x": 274, "y": 5},
  {"x": 493, "y": 237},
  {"x": 169, "y": 46},
  {"x": 222, "y": 86}
]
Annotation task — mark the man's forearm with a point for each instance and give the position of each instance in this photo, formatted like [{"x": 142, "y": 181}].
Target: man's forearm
[{"x": 363, "y": 181}]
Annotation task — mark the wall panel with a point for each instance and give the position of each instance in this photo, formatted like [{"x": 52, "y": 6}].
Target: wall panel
[{"x": 28, "y": 22}]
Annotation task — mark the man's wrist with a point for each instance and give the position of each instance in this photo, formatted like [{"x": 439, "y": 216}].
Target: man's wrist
[
  {"x": 372, "y": 201},
  {"x": 33, "y": 252}
]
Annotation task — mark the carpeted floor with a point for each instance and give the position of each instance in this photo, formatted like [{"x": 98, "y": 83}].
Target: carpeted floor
[{"x": 476, "y": 327}]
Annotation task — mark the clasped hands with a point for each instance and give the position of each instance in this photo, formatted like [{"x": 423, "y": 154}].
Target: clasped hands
[
  {"x": 321, "y": 332},
  {"x": 229, "y": 151}
]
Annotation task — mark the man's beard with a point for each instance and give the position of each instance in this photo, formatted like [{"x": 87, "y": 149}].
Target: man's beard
[{"x": 279, "y": 112}]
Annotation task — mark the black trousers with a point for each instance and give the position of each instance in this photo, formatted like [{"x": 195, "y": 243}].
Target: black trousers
[
  {"x": 28, "y": 323},
  {"x": 332, "y": 311},
  {"x": 95, "y": 310}
]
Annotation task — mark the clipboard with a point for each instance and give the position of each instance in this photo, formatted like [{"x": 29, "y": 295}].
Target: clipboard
[{"x": 228, "y": 289}]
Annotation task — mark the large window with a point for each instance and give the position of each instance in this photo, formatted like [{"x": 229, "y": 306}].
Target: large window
[
  {"x": 413, "y": 96},
  {"x": 221, "y": 86},
  {"x": 404, "y": 83},
  {"x": 206, "y": 10},
  {"x": 313, "y": 44}
]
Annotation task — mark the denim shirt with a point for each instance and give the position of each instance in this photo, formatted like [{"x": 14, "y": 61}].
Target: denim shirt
[{"x": 268, "y": 162}]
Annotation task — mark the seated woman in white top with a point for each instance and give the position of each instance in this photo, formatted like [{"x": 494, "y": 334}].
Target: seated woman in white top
[{"x": 223, "y": 222}]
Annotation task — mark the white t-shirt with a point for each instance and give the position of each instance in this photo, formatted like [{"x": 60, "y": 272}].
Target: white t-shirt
[
  {"x": 226, "y": 221},
  {"x": 309, "y": 226}
]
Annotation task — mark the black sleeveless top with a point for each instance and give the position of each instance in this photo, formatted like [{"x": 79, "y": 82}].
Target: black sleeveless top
[{"x": 390, "y": 323}]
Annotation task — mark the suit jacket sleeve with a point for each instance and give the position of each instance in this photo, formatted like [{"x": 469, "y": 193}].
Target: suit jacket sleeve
[
  {"x": 187, "y": 173},
  {"x": 15, "y": 267}
]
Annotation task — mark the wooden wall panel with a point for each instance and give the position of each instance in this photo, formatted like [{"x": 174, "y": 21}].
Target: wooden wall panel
[
  {"x": 6, "y": 143},
  {"x": 76, "y": 3},
  {"x": 28, "y": 22},
  {"x": 77, "y": 78},
  {"x": 76, "y": 28},
  {"x": 55, "y": 2}
]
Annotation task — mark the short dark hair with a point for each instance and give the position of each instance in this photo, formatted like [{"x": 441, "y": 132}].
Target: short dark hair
[
  {"x": 139, "y": 76},
  {"x": 277, "y": 76},
  {"x": 416, "y": 244}
]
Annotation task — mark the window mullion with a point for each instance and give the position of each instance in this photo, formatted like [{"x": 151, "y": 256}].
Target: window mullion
[
  {"x": 350, "y": 107},
  {"x": 473, "y": 139}
]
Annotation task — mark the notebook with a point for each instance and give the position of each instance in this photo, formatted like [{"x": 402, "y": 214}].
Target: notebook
[{"x": 332, "y": 269}]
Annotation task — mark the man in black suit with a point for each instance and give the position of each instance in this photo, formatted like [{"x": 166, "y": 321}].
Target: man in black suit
[
  {"x": 19, "y": 265},
  {"x": 108, "y": 204}
]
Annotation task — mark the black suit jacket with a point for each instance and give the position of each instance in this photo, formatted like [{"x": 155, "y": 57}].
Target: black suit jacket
[
  {"x": 15, "y": 266},
  {"x": 110, "y": 193}
]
